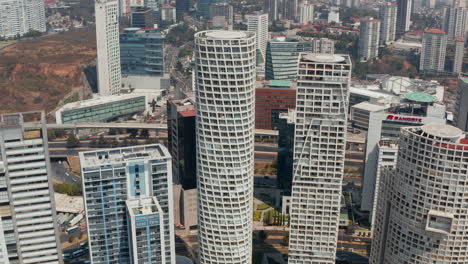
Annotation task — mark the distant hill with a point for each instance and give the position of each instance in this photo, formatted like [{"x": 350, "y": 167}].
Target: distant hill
[{"x": 37, "y": 74}]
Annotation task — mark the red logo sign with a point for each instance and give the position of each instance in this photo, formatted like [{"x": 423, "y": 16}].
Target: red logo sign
[{"x": 403, "y": 118}]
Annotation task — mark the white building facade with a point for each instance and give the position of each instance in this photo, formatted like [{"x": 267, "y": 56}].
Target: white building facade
[
  {"x": 434, "y": 46},
  {"x": 258, "y": 23},
  {"x": 369, "y": 36},
  {"x": 129, "y": 204},
  {"x": 421, "y": 214},
  {"x": 225, "y": 100},
  {"x": 306, "y": 13},
  {"x": 459, "y": 54},
  {"x": 18, "y": 17},
  {"x": 319, "y": 152},
  {"x": 454, "y": 22},
  {"x": 28, "y": 230},
  {"x": 108, "y": 48},
  {"x": 388, "y": 18}
]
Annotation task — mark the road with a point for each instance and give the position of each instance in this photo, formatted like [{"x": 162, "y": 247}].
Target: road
[{"x": 60, "y": 174}]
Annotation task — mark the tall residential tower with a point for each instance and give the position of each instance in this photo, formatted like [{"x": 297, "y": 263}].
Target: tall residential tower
[
  {"x": 225, "y": 98},
  {"x": 434, "y": 45},
  {"x": 388, "y": 18},
  {"x": 368, "y": 47},
  {"x": 403, "y": 16},
  {"x": 258, "y": 23},
  {"x": 422, "y": 213},
  {"x": 319, "y": 152},
  {"x": 108, "y": 50},
  {"x": 28, "y": 229}
]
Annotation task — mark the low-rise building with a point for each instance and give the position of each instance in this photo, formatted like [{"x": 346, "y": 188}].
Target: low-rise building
[{"x": 101, "y": 109}]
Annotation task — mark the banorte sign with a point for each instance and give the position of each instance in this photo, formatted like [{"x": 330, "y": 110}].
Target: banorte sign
[{"x": 404, "y": 118}]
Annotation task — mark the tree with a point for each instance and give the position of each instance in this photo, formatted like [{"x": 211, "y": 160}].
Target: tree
[
  {"x": 262, "y": 236},
  {"x": 124, "y": 142},
  {"x": 93, "y": 143},
  {"x": 144, "y": 133},
  {"x": 133, "y": 132},
  {"x": 286, "y": 240},
  {"x": 70, "y": 238},
  {"x": 102, "y": 142},
  {"x": 72, "y": 141},
  {"x": 113, "y": 143}
]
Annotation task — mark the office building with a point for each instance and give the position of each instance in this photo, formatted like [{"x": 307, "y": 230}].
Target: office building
[
  {"x": 28, "y": 227},
  {"x": 461, "y": 106},
  {"x": 306, "y": 13},
  {"x": 137, "y": 225},
  {"x": 434, "y": 45},
  {"x": 168, "y": 14},
  {"x": 225, "y": 83},
  {"x": 258, "y": 23},
  {"x": 18, "y": 17},
  {"x": 282, "y": 54},
  {"x": 142, "y": 17},
  {"x": 101, "y": 109},
  {"x": 321, "y": 116},
  {"x": 289, "y": 9},
  {"x": 454, "y": 22},
  {"x": 334, "y": 15},
  {"x": 388, "y": 18},
  {"x": 414, "y": 109},
  {"x": 459, "y": 54},
  {"x": 369, "y": 36},
  {"x": 271, "y": 99},
  {"x": 421, "y": 215},
  {"x": 142, "y": 52},
  {"x": 203, "y": 8},
  {"x": 182, "y": 8},
  {"x": 108, "y": 50},
  {"x": 284, "y": 176},
  {"x": 181, "y": 137},
  {"x": 403, "y": 17},
  {"x": 222, "y": 10}
]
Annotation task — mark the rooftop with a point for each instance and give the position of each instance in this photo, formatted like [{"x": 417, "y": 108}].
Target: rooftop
[
  {"x": 434, "y": 31},
  {"x": 98, "y": 101},
  {"x": 280, "y": 83},
  {"x": 369, "y": 107},
  {"x": 459, "y": 39},
  {"x": 420, "y": 97},
  {"x": 143, "y": 206},
  {"x": 224, "y": 34},
  {"x": 105, "y": 157},
  {"x": 326, "y": 58},
  {"x": 443, "y": 131}
]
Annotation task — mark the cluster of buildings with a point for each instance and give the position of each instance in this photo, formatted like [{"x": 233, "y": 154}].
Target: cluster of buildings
[{"x": 18, "y": 17}]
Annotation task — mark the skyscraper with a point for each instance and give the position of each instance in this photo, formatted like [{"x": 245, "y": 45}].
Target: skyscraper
[
  {"x": 319, "y": 152},
  {"x": 273, "y": 7},
  {"x": 403, "y": 16},
  {"x": 182, "y": 7},
  {"x": 434, "y": 45},
  {"x": 142, "y": 17},
  {"x": 128, "y": 202},
  {"x": 108, "y": 50},
  {"x": 388, "y": 18},
  {"x": 369, "y": 32},
  {"x": 18, "y": 17},
  {"x": 258, "y": 23},
  {"x": 225, "y": 99},
  {"x": 421, "y": 214},
  {"x": 459, "y": 54},
  {"x": 28, "y": 230},
  {"x": 454, "y": 22},
  {"x": 461, "y": 107},
  {"x": 306, "y": 13}
]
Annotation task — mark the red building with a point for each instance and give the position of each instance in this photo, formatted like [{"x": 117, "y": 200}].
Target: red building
[{"x": 273, "y": 98}]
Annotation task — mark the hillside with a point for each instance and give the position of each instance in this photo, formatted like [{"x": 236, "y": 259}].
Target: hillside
[{"x": 37, "y": 74}]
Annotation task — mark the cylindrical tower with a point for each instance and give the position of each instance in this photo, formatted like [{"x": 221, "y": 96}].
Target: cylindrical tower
[
  {"x": 225, "y": 99},
  {"x": 422, "y": 211}
]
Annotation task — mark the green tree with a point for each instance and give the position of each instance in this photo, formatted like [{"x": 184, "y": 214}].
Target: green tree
[
  {"x": 93, "y": 143},
  {"x": 144, "y": 133},
  {"x": 286, "y": 240},
  {"x": 262, "y": 236},
  {"x": 72, "y": 141},
  {"x": 133, "y": 132},
  {"x": 102, "y": 142}
]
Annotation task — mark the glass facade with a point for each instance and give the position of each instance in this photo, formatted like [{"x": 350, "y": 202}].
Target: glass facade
[
  {"x": 281, "y": 58},
  {"x": 142, "y": 52},
  {"x": 103, "y": 112}
]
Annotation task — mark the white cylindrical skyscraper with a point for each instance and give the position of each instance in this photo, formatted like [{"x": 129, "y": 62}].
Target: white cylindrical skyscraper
[
  {"x": 422, "y": 207},
  {"x": 225, "y": 99}
]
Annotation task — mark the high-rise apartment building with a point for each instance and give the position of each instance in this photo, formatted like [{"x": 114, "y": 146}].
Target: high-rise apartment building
[
  {"x": 421, "y": 214},
  {"x": 459, "y": 54},
  {"x": 28, "y": 227},
  {"x": 319, "y": 152},
  {"x": 454, "y": 22},
  {"x": 306, "y": 13},
  {"x": 369, "y": 32},
  {"x": 225, "y": 66},
  {"x": 18, "y": 17},
  {"x": 258, "y": 23},
  {"x": 224, "y": 10},
  {"x": 434, "y": 45},
  {"x": 388, "y": 18},
  {"x": 128, "y": 201},
  {"x": 461, "y": 107},
  {"x": 142, "y": 52},
  {"x": 403, "y": 16},
  {"x": 108, "y": 50},
  {"x": 273, "y": 7}
]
